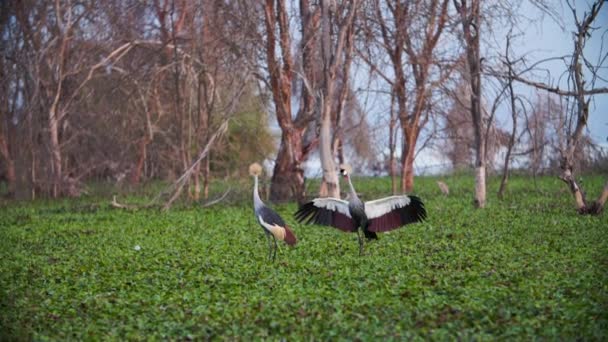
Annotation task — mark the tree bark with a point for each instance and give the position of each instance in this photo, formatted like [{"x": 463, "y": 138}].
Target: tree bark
[
  {"x": 407, "y": 163},
  {"x": 333, "y": 55},
  {"x": 505, "y": 170},
  {"x": 330, "y": 186},
  {"x": 55, "y": 149},
  {"x": 136, "y": 172},
  {"x": 410, "y": 47},
  {"x": 288, "y": 176},
  {"x": 470, "y": 17},
  {"x": 206, "y": 176},
  {"x": 11, "y": 177},
  {"x": 392, "y": 143},
  {"x": 581, "y": 113}
]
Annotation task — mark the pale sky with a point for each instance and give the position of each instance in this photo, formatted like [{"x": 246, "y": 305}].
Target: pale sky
[
  {"x": 545, "y": 38},
  {"x": 541, "y": 37}
]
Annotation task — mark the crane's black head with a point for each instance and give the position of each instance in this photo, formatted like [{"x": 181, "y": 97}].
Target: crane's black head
[{"x": 345, "y": 170}]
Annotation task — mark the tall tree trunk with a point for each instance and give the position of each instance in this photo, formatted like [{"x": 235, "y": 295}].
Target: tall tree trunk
[
  {"x": 288, "y": 175},
  {"x": 329, "y": 182},
  {"x": 206, "y": 176},
  {"x": 480, "y": 178},
  {"x": 136, "y": 172},
  {"x": 332, "y": 55},
  {"x": 401, "y": 38},
  {"x": 11, "y": 177},
  {"x": 480, "y": 150},
  {"x": 197, "y": 182},
  {"x": 407, "y": 163},
  {"x": 55, "y": 149},
  {"x": 505, "y": 170},
  {"x": 392, "y": 143},
  {"x": 470, "y": 17},
  {"x": 581, "y": 115},
  {"x": 330, "y": 186}
]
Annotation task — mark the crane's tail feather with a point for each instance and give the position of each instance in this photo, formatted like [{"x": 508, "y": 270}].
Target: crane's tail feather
[{"x": 290, "y": 237}]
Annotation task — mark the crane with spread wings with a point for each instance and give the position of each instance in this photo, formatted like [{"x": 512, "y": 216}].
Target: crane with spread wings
[{"x": 372, "y": 217}]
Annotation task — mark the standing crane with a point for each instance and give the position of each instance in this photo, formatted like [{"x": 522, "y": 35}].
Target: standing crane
[
  {"x": 270, "y": 221},
  {"x": 372, "y": 217}
]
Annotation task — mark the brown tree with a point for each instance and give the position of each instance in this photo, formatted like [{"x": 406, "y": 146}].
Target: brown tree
[
  {"x": 576, "y": 117},
  {"x": 288, "y": 175},
  {"x": 410, "y": 32},
  {"x": 8, "y": 99}
]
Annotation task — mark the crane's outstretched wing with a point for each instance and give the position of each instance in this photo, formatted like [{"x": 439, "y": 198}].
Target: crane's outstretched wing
[
  {"x": 393, "y": 212},
  {"x": 328, "y": 211},
  {"x": 270, "y": 220}
]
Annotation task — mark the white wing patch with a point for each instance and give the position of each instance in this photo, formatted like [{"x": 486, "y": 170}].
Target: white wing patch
[
  {"x": 274, "y": 229},
  {"x": 332, "y": 204},
  {"x": 385, "y": 205}
]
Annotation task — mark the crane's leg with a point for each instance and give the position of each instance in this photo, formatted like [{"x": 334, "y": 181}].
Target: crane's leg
[
  {"x": 274, "y": 256},
  {"x": 360, "y": 242},
  {"x": 269, "y": 246}
]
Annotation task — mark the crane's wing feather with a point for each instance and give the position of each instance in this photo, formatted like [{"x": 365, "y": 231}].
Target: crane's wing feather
[
  {"x": 393, "y": 212},
  {"x": 271, "y": 217},
  {"x": 274, "y": 223},
  {"x": 329, "y": 211}
]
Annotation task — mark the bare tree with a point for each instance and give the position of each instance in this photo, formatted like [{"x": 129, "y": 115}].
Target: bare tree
[
  {"x": 512, "y": 99},
  {"x": 334, "y": 55},
  {"x": 288, "y": 176},
  {"x": 60, "y": 64},
  {"x": 470, "y": 18},
  {"x": 8, "y": 97},
  {"x": 281, "y": 74},
  {"x": 580, "y": 91},
  {"x": 409, "y": 34}
]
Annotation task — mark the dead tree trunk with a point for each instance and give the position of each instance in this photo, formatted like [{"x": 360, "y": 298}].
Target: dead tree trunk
[
  {"x": 9, "y": 163},
  {"x": 581, "y": 113},
  {"x": 505, "y": 169},
  {"x": 333, "y": 56},
  {"x": 288, "y": 177},
  {"x": 392, "y": 144},
  {"x": 414, "y": 47},
  {"x": 136, "y": 172},
  {"x": 407, "y": 161},
  {"x": 470, "y": 18}
]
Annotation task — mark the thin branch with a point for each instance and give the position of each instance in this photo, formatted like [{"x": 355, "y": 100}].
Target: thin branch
[{"x": 217, "y": 200}]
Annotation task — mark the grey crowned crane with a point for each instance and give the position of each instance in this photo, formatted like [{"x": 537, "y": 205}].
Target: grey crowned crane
[
  {"x": 270, "y": 221},
  {"x": 373, "y": 217}
]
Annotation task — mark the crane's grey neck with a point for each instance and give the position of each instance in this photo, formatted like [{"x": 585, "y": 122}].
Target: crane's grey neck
[
  {"x": 257, "y": 202},
  {"x": 353, "y": 194}
]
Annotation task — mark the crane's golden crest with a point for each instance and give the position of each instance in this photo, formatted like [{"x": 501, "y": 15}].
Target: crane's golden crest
[
  {"x": 255, "y": 169},
  {"x": 345, "y": 169}
]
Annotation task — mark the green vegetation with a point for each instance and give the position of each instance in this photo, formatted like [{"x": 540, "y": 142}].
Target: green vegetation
[{"x": 528, "y": 266}]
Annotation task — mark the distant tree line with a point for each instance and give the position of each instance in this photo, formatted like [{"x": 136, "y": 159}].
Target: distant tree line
[{"x": 184, "y": 91}]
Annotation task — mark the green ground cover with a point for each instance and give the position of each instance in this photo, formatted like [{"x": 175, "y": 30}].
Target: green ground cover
[{"x": 527, "y": 266}]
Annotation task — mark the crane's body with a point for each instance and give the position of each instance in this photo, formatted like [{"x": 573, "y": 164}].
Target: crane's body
[
  {"x": 269, "y": 220},
  {"x": 371, "y": 217}
]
